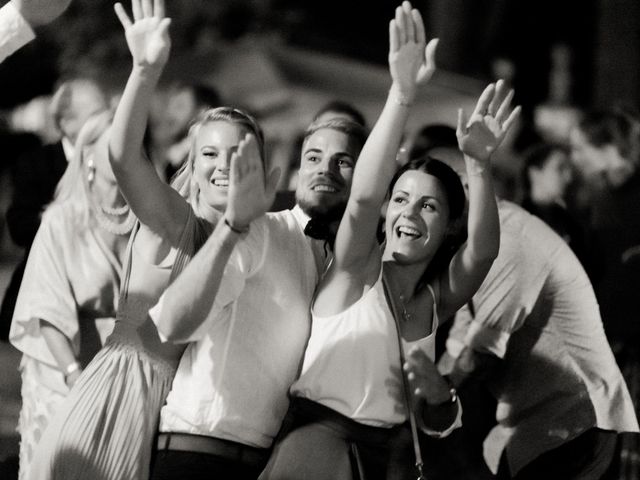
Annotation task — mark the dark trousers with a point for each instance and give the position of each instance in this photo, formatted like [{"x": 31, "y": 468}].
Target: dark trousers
[
  {"x": 586, "y": 457},
  {"x": 176, "y": 465},
  {"x": 318, "y": 443}
]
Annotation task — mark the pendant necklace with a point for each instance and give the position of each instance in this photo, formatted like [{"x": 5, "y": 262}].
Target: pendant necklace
[{"x": 406, "y": 316}]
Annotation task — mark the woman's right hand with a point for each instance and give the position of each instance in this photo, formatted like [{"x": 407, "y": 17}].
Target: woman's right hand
[{"x": 148, "y": 35}]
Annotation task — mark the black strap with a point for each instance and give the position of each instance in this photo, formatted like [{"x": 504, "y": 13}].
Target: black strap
[{"x": 407, "y": 392}]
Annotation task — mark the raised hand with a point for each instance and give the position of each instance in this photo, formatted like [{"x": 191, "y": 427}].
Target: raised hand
[
  {"x": 251, "y": 193},
  {"x": 411, "y": 63},
  {"x": 148, "y": 35},
  {"x": 483, "y": 132}
]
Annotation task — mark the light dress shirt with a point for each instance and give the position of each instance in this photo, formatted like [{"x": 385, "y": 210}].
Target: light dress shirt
[
  {"x": 537, "y": 310},
  {"x": 15, "y": 31},
  {"x": 232, "y": 381}
]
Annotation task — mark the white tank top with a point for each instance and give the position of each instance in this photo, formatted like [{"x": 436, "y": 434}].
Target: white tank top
[{"x": 352, "y": 363}]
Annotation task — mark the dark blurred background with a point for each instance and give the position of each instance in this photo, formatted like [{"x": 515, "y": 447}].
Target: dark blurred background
[
  {"x": 601, "y": 40},
  {"x": 283, "y": 59}
]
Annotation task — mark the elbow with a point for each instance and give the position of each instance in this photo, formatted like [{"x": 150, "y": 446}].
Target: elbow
[
  {"x": 485, "y": 255},
  {"x": 171, "y": 332}
]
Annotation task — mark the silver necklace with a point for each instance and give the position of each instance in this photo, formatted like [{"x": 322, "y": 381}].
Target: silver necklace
[{"x": 406, "y": 316}]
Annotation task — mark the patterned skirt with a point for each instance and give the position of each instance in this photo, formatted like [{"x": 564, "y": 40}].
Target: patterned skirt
[{"x": 106, "y": 426}]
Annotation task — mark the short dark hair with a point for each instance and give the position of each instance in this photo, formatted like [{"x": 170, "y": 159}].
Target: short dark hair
[
  {"x": 345, "y": 108},
  {"x": 352, "y": 129}
]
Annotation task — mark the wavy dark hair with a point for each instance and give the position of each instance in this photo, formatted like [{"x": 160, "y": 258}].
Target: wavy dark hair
[{"x": 456, "y": 198}]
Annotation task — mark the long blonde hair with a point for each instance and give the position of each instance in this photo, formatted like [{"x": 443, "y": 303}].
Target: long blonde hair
[
  {"x": 73, "y": 187},
  {"x": 183, "y": 180}
]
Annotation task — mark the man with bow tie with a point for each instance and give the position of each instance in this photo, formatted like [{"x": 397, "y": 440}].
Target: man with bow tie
[{"x": 243, "y": 303}]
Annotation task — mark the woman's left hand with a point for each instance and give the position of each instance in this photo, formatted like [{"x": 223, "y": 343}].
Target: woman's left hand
[{"x": 483, "y": 132}]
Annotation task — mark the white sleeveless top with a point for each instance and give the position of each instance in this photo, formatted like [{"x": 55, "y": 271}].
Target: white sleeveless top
[{"x": 352, "y": 363}]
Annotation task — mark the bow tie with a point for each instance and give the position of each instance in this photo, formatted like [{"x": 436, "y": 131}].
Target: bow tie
[{"x": 319, "y": 230}]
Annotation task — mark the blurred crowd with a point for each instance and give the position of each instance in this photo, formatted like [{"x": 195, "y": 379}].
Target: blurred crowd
[{"x": 543, "y": 357}]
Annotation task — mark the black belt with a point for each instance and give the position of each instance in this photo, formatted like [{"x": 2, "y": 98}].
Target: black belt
[{"x": 234, "y": 451}]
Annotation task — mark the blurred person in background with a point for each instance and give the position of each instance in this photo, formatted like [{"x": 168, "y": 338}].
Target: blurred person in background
[
  {"x": 18, "y": 18},
  {"x": 547, "y": 179},
  {"x": 533, "y": 336},
  {"x": 36, "y": 173},
  {"x": 605, "y": 146},
  {"x": 68, "y": 297},
  {"x": 105, "y": 427},
  {"x": 175, "y": 110}
]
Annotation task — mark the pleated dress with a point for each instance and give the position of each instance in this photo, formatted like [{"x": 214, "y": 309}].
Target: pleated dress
[{"x": 106, "y": 426}]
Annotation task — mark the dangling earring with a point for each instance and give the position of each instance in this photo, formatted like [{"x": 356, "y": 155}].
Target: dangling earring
[{"x": 91, "y": 170}]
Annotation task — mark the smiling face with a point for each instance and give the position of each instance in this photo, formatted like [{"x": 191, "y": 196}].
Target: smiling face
[
  {"x": 417, "y": 217},
  {"x": 326, "y": 171},
  {"x": 214, "y": 144}
]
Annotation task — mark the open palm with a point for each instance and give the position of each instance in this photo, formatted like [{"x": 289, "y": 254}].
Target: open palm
[
  {"x": 483, "y": 132},
  {"x": 148, "y": 35},
  {"x": 411, "y": 63}
]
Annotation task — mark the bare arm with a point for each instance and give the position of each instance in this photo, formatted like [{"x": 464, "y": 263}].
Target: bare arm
[
  {"x": 40, "y": 12},
  {"x": 478, "y": 138},
  {"x": 410, "y": 64},
  {"x": 188, "y": 301},
  {"x": 61, "y": 350},
  {"x": 156, "y": 204}
]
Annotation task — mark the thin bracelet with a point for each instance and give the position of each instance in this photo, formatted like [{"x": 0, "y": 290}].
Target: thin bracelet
[
  {"x": 71, "y": 368},
  {"x": 239, "y": 231},
  {"x": 400, "y": 99}
]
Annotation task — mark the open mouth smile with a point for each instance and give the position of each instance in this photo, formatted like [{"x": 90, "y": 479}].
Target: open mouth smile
[
  {"x": 323, "y": 188},
  {"x": 405, "y": 231},
  {"x": 220, "y": 182}
]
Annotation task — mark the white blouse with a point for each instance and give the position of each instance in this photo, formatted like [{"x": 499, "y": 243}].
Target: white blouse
[{"x": 352, "y": 364}]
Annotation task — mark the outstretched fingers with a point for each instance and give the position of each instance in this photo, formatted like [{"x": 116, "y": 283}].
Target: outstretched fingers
[
  {"x": 158, "y": 8},
  {"x": 462, "y": 126},
  {"x": 421, "y": 36},
  {"x": 511, "y": 119},
  {"x": 500, "y": 93},
  {"x": 122, "y": 15},
  {"x": 401, "y": 24},
  {"x": 147, "y": 8},
  {"x": 394, "y": 36},
  {"x": 409, "y": 22},
  {"x": 136, "y": 9},
  {"x": 482, "y": 106}
]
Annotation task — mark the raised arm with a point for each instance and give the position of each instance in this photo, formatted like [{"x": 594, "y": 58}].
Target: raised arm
[
  {"x": 186, "y": 304},
  {"x": 410, "y": 64},
  {"x": 478, "y": 138},
  {"x": 156, "y": 204},
  {"x": 40, "y": 12}
]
